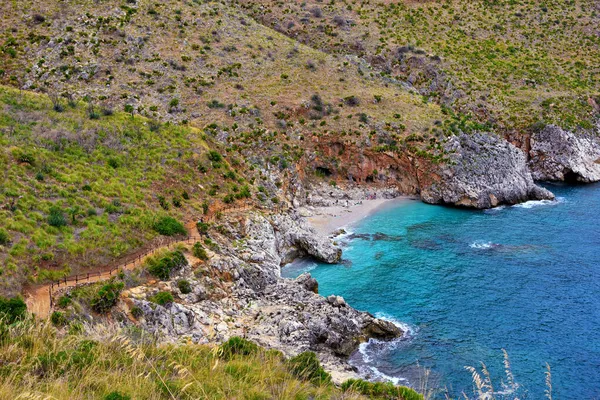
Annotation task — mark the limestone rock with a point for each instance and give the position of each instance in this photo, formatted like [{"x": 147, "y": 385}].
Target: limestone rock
[
  {"x": 559, "y": 155},
  {"x": 484, "y": 171}
]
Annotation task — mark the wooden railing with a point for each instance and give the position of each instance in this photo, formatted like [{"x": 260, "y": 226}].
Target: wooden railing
[
  {"x": 106, "y": 272},
  {"x": 131, "y": 262}
]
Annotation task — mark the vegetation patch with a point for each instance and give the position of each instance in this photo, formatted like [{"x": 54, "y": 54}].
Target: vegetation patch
[
  {"x": 106, "y": 297},
  {"x": 306, "y": 366},
  {"x": 169, "y": 226},
  {"x": 381, "y": 390},
  {"x": 162, "y": 266}
]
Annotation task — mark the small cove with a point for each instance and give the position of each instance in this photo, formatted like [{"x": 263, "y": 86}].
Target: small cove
[{"x": 466, "y": 284}]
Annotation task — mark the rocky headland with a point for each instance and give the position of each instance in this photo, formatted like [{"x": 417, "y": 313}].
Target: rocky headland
[
  {"x": 240, "y": 292},
  {"x": 560, "y": 155}
]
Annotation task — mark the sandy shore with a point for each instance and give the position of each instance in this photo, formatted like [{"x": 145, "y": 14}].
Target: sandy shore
[{"x": 326, "y": 220}]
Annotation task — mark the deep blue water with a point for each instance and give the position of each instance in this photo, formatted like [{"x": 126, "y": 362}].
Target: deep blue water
[{"x": 470, "y": 283}]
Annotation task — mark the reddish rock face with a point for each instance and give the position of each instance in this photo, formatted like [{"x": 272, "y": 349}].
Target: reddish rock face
[{"x": 347, "y": 162}]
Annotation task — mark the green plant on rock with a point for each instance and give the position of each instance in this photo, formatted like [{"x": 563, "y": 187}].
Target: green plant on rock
[
  {"x": 162, "y": 298},
  {"x": 199, "y": 251},
  {"x": 184, "y": 286},
  {"x": 106, "y": 297},
  {"x": 163, "y": 266}
]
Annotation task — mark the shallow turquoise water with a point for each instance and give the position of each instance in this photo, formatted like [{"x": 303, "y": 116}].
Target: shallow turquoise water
[{"x": 470, "y": 283}]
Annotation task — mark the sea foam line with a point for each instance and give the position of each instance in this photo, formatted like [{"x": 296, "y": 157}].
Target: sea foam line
[{"x": 537, "y": 203}]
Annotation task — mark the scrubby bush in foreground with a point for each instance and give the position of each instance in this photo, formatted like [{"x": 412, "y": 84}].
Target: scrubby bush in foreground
[
  {"x": 38, "y": 359},
  {"x": 237, "y": 346},
  {"x": 381, "y": 390},
  {"x": 306, "y": 366},
  {"x": 12, "y": 310}
]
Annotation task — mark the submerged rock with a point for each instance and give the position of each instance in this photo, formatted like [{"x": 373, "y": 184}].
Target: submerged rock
[
  {"x": 559, "y": 155},
  {"x": 484, "y": 171}
]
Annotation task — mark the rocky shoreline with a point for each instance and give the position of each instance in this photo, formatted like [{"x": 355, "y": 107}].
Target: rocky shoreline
[{"x": 240, "y": 292}]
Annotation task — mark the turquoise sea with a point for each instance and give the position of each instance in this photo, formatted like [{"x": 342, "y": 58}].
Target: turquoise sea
[{"x": 466, "y": 284}]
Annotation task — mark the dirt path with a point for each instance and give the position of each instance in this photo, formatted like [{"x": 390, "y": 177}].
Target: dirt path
[{"x": 38, "y": 297}]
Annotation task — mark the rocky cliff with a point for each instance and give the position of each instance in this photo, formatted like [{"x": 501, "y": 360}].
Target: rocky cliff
[
  {"x": 240, "y": 293},
  {"x": 484, "y": 171},
  {"x": 560, "y": 155}
]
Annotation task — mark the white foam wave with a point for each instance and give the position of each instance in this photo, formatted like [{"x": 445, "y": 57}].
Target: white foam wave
[
  {"x": 366, "y": 369},
  {"x": 409, "y": 330},
  {"x": 371, "y": 349},
  {"x": 482, "y": 245},
  {"x": 538, "y": 203},
  {"x": 494, "y": 210}
]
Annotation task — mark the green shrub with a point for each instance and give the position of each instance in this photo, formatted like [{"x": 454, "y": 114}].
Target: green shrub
[
  {"x": 383, "y": 390},
  {"x": 199, "y": 252},
  {"x": 306, "y": 366},
  {"x": 56, "y": 217},
  {"x": 162, "y": 267},
  {"x": 136, "y": 312},
  {"x": 169, "y": 226},
  {"x": 24, "y": 157},
  {"x": 116, "y": 396},
  {"x": 184, "y": 286},
  {"x": 12, "y": 310},
  {"x": 107, "y": 297},
  {"x": 214, "y": 156},
  {"x": 58, "y": 318},
  {"x": 202, "y": 227},
  {"x": 113, "y": 163},
  {"x": 4, "y": 237},
  {"x": 237, "y": 346},
  {"x": 228, "y": 199},
  {"x": 63, "y": 301},
  {"x": 162, "y": 298}
]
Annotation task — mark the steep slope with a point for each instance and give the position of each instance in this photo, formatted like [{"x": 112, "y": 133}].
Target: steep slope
[
  {"x": 272, "y": 100},
  {"x": 507, "y": 64},
  {"x": 78, "y": 192}
]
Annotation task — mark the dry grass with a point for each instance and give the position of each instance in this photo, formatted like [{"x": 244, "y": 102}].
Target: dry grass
[{"x": 40, "y": 362}]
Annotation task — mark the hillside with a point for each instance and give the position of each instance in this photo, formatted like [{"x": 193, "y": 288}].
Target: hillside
[
  {"x": 78, "y": 192},
  {"x": 127, "y": 125},
  {"x": 510, "y": 65}
]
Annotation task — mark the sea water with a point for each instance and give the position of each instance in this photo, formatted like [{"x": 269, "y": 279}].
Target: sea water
[{"x": 466, "y": 284}]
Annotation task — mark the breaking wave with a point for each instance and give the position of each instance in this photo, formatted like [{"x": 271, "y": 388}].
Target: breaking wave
[
  {"x": 372, "y": 350},
  {"x": 483, "y": 245},
  {"x": 538, "y": 203}
]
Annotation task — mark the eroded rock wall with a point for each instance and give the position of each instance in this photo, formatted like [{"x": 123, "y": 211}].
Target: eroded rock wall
[{"x": 560, "y": 155}]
